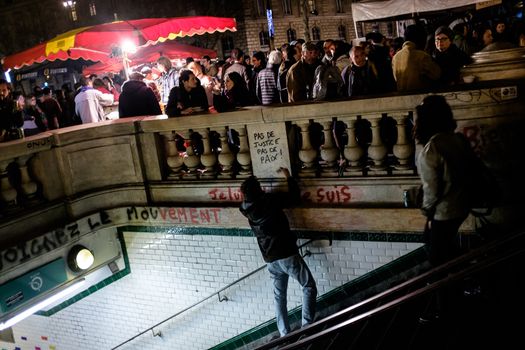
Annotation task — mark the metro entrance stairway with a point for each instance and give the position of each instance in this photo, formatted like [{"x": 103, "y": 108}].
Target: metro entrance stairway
[{"x": 487, "y": 284}]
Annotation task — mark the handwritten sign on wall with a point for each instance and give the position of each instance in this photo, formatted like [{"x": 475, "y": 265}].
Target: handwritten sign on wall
[{"x": 268, "y": 149}]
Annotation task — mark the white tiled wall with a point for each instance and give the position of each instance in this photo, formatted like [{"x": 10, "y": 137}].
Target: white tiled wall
[{"x": 171, "y": 272}]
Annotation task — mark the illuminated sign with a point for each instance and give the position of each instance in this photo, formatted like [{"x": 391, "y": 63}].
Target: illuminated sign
[{"x": 271, "y": 28}]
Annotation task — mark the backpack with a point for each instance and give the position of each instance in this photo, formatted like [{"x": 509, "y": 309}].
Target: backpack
[{"x": 328, "y": 83}]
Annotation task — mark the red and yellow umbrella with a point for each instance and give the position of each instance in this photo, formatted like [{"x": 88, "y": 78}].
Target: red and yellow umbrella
[
  {"x": 105, "y": 37},
  {"x": 37, "y": 55}
]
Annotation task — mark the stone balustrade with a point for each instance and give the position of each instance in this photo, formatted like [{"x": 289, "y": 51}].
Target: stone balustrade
[{"x": 359, "y": 149}]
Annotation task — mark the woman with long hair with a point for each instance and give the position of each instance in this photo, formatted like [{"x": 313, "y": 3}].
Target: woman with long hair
[
  {"x": 235, "y": 94},
  {"x": 444, "y": 165}
]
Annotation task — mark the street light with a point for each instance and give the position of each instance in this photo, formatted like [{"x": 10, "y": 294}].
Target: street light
[
  {"x": 71, "y": 5},
  {"x": 127, "y": 46}
]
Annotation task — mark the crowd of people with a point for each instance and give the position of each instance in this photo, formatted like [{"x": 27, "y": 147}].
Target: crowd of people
[{"x": 297, "y": 71}]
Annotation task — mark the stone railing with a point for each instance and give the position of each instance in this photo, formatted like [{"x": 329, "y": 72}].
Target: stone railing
[{"x": 355, "y": 153}]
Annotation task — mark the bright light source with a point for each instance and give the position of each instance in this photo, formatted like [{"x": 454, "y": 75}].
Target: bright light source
[
  {"x": 26, "y": 313},
  {"x": 8, "y": 76},
  {"x": 68, "y": 3},
  {"x": 85, "y": 259},
  {"x": 128, "y": 46},
  {"x": 80, "y": 258}
]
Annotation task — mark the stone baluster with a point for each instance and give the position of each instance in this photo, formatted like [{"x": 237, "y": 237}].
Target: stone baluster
[
  {"x": 8, "y": 195},
  {"x": 243, "y": 156},
  {"x": 404, "y": 148},
  {"x": 377, "y": 151},
  {"x": 27, "y": 185},
  {"x": 329, "y": 153},
  {"x": 173, "y": 158},
  {"x": 353, "y": 152},
  {"x": 307, "y": 154},
  {"x": 226, "y": 157},
  {"x": 191, "y": 160},
  {"x": 208, "y": 158}
]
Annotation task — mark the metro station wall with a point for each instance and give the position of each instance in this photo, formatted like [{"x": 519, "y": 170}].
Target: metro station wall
[{"x": 174, "y": 268}]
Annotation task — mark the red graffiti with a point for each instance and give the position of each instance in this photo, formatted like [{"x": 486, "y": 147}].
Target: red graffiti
[
  {"x": 333, "y": 194},
  {"x": 176, "y": 215},
  {"x": 225, "y": 194}
]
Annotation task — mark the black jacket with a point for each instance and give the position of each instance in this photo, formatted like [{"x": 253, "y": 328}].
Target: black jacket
[
  {"x": 180, "y": 99},
  {"x": 450, "y": 62},
  {"x": 270, "y": 224},
  {"x": 137, "y": 99}
]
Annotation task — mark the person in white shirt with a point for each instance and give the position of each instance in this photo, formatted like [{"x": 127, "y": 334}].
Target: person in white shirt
[{"x": 89, "y": 102}]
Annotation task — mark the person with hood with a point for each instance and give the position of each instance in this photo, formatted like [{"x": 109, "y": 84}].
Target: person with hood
[
  {"x": 137, "y": 98},
  {"x": 278, "y": 246}
]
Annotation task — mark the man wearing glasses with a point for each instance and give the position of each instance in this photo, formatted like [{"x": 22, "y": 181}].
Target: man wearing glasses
[{"x": 448, "y": 56}]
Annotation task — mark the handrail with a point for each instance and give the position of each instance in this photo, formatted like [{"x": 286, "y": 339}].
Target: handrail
[
  {"x": 343, "y": 314},
  {"x": 419, "y": 292},
  {"x": 203, "y": 300}
]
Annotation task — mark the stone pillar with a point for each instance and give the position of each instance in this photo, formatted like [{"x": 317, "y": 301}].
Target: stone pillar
[
  {"x": 329, "y": 153},
  {"x": 404, "y": 148},
  {"x": 28, "y": 186},
  {"x": 307, "y": 154},
  {"x": 377, "y": 151},
  {"x": 208, "y": 158},
  {"x": 243, "y": 157},
  {"x": 8, "y": 195},
  {"x": 191, "y": 160},
  {"x": 353, "y": 152},
  {"x": 226, "y": 157},
  {"x": 173, "y": 157}
]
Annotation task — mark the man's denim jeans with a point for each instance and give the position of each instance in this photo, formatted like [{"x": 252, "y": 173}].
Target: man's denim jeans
[{"x": 295, "y": 267}]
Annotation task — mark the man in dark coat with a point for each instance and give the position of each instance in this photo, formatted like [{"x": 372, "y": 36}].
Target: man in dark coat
[
  {"x": 137, "y": 98},
  {"x": 448, "y": 56},
  {"x": 278, "y": 246}
]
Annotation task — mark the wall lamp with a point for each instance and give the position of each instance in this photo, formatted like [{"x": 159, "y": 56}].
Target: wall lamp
[{"x": 80, "y": 258}]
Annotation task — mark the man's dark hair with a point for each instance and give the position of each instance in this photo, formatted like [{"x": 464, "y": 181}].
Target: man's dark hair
[
  {"x": 376, "y": 37},
  {"x": 206, "y": 58},
  {"x": 237, "y": 54},
  {"x": 434, "y": 115},
  {"x": 46, "y": 91},
  {"x": 84, "y": 81},
  {"x": 251, "y": 189},
  {"x": 184, "y": 75},
  {"x": 417, "y": 34},
  {"x": 136, "y": 76}
]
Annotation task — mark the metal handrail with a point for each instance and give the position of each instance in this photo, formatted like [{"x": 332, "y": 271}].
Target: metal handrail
[
  {"x": 341, "y": 319},
  {"x": 421, "y": 291},
  {"x": 224, "y": 298}
]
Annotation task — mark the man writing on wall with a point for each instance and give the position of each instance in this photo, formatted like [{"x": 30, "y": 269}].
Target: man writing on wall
[{"x": 278, "y": 245}]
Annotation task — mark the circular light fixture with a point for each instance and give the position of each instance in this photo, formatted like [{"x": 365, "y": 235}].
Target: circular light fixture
[{"x": 80, "y": 258}]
